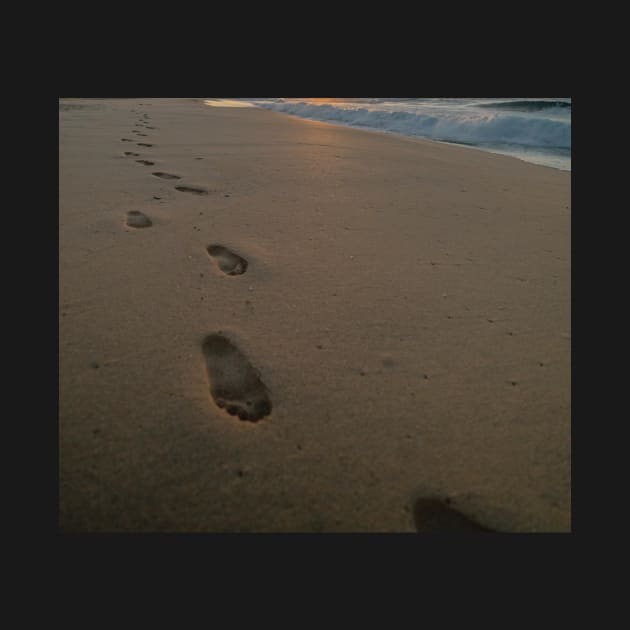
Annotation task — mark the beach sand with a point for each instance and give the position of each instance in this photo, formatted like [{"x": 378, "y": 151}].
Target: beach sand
[{"x": 394, "y": 313}]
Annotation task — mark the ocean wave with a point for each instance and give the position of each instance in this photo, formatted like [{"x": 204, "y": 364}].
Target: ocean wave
[{"x": 465, "y": 127}]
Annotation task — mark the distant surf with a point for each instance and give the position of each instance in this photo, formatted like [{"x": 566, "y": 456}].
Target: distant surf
[
  {"x": 528, "y": 106},
  {"x": 536, "y": 130}
]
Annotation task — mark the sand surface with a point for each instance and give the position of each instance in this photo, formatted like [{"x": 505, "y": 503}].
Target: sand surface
[{"x": 404, "y": 305}]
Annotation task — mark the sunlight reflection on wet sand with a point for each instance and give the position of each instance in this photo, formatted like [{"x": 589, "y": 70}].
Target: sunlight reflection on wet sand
[{"x": 223, "y": 102}]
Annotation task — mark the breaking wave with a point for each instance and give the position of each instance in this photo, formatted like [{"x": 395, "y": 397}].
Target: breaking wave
[{"x": 460, "y": 126}]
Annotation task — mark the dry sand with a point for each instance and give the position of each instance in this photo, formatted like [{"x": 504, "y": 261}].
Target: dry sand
[{"x": 405, "y": 306}]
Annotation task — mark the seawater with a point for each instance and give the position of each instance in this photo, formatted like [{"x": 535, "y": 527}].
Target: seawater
[{"x": 536, "y": 130}]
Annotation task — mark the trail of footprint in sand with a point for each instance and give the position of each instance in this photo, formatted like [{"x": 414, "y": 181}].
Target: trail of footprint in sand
[
  {"x": 234, "y": 384},
  {"x": 228, "y": 262},
  {"x": 195, "y": 190},
  {"x": 137, "y": 219},
  {"x": 166, "y": 175},
  {"x": 436, "y": 516}
]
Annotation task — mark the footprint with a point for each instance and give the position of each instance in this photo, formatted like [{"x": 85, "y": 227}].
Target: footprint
[
  {"x": 166, "y": 175},
  {"x": 436, "y": 516},
  {"x": 147, "y": 126},
  {"x": 196, "y": 190},
  {"x": 137, "y": 219},
  {"x": 146, "y": 162},
  {"x": 126, "y": 140},
  {"x": 142, "y": 144},
  {"x": 234, "y": 384},
  {"x": 229, "y": 262},
  {"x": 132, "y": 153}
]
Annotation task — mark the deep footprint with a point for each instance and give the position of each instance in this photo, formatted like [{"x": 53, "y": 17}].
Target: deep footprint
[
  {"x": 195, "y": 190},
  {"x": 137, "y": 219},
  {"x": 229, "y": 262},
  {"x": 234, "y": 384},
  {"x": 132, "y": 153},
  {"x": 145, "y": 162},
  {"x": 166, "y": 175},
  {"x": 142, "y": 144},
  {"x": 126, "y": 140},
  {"x": 436, "y": 516}
]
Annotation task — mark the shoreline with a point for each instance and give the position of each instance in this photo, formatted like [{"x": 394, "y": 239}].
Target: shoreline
[
  {"x": 405, "y": 305},
  {"x": 421, "y": 138}
]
